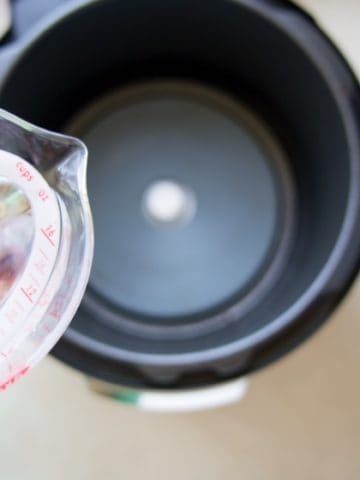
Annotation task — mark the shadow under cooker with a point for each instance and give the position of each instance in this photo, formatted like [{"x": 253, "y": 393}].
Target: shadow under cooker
[{"x": 126, "y": 331}]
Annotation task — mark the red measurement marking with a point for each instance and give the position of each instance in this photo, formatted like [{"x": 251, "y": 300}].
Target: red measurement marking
[
  {"x": 43, "y": 195},
  {"x": 13, "y": 379},
  {"x": 41, "y": 264},
  {"x": 43, "y": 254},
  {"x": 26, "y": 295},
  {"x": 24, "y": 171},
  {"x": 48, "y": 232},
  {"x": 57, "y": 308},
  {"x": 55, "y": 314}
]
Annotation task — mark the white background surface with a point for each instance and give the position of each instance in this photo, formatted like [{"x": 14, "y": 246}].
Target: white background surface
[{"x": 300, "y": 419}]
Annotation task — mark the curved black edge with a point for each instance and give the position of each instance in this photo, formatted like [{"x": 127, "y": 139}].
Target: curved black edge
[
  {"x": 138, "y": 376},
  {"x": 271, "y": 349}
]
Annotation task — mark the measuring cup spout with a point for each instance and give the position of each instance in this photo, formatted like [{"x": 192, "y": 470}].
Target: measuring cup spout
[
  {"x": 40, "y": 147},
  {"x": 69, "y": 172},
  {"x": 61, "y": 159}
]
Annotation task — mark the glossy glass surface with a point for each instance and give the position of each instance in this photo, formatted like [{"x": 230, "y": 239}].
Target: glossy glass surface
[{"x": 46, "y": 241}]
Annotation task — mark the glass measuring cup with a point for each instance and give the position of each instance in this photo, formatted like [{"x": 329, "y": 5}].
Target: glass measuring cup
[{"x": 46, "y": 241}]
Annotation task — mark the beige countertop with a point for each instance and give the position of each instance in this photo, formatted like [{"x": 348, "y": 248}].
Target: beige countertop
[{"x": 300, "y": 419}]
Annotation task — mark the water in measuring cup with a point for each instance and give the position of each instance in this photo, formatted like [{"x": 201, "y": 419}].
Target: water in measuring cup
[{"x": 17, "y": 232}]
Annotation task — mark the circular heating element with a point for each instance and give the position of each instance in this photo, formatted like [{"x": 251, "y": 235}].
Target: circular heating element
[
  {"x": 166, "y": 202},
  {"x": 188, "y": 198}
]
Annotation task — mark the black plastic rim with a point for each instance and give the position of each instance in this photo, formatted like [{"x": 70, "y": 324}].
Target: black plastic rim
[{"x": 310, "y": 310}]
